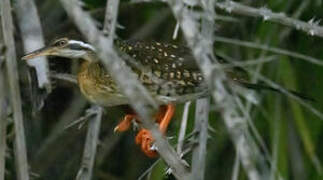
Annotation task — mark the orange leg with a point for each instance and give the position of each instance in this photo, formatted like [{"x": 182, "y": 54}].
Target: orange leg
[
  {"x": 165, "y": 120},
  {"x": 144, "y": 137},
  {"x": 125, "y": 124}
]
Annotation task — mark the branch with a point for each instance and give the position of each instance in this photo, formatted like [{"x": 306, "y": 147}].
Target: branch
[
  {"x": 138, "y": 96},
  {"x": 3, "y": 136},
  {"x": 65, "y": 77},
  {"x": 307, "y": 105},
  {"x": 3, "y": 120},
  {"x": 201, "y": 45},
  {"x": 3, "y": 112},
  {"x": 310, "y": 27},
  {"x": 182, "y": 130},
  {"x": 32, "y": 37},
  {"x": 41, "y": 160},
  {"x": 236, "y": 167},
  {"x": 15, "y": 100},
  {"x": 106, "y": 147},
  {"x": 201, "y": 127},
  {"x": 110, "y": 19},
  {"x": 3, "y": 126},
  {"x": 270, "y": 49},
  {"x": 85, "y": 172}
]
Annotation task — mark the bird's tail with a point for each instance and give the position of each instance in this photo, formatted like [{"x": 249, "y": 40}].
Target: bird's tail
[{"x": 260, "y": 87}]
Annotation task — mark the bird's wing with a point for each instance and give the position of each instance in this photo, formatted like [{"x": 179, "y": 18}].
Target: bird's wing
[
  {"x": 159, "y": 55},
  {"x": 169, "y": 66}
]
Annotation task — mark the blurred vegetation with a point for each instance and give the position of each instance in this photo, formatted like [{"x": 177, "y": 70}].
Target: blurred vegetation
[{"x": 291, "y": 133}]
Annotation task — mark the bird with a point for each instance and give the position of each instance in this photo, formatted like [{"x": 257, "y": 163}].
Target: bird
[{"x": 167, "y": 70}]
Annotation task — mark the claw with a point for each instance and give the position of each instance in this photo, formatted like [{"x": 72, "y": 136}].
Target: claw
[
  {"x": 116, "y": 129},
  {"x": 135, "y": 125},
  {"x": 169, "y": 171},
  {"x": 153, "y": 147},
  {"x": 145, "y": 140}
]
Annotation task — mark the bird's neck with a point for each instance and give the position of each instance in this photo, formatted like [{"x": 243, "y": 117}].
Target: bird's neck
[
  {"x": 91, "y": 69},
  {"x": 91, "y": 57},
  {"x": 84, "y": 66}
]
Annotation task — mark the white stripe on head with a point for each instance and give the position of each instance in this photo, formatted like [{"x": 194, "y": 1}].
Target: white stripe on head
[{"x": 83, "y": 44}]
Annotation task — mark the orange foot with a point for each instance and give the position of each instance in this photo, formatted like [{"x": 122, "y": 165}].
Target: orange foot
[
  {"x": 145, "y": 140},
  {"x": 125, "y": 123},
  {"x": 144, "y": 137}
]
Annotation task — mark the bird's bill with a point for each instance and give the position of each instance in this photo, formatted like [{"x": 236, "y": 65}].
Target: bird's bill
[{"x": 40, "y": 52}]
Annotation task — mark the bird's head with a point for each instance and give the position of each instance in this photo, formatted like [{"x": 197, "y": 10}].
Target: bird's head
[{"x": 64, "y": 47}]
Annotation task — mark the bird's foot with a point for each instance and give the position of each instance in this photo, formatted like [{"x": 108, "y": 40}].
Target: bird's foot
[
  {"x": 125, "y": 124},
  {"x": 145, "y": 140}
]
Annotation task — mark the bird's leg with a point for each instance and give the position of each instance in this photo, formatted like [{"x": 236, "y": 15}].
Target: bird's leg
[
  {"x": 144, "y": 137},
  {"x": 125, "y": 123},
  {"x": 165, "y": 116}
]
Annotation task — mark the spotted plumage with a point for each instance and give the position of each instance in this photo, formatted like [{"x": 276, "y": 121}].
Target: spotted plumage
[{"x": 172, "y": 64}]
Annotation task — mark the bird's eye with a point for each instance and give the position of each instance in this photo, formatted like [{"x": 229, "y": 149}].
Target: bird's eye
[{"x": 60, "y": 43}]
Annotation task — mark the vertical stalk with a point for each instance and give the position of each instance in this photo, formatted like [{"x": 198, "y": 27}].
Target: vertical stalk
[
  {"x": 3, "y": 113},
  {"x": 182, "y": 130},
  {"x": 32, "y": 38},
  {"x": 14, "y": 95},
  {"x": 85, "y": 172},
  {"x": 201, "y": 127}
]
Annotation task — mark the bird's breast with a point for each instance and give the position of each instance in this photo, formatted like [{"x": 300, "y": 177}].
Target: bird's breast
[{"x": 99, "y": 92}]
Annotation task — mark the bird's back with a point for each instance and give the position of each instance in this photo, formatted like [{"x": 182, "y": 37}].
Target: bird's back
[{"x": 166, "y": 69}]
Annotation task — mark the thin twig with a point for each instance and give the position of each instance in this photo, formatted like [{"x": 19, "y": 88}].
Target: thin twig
[
  {"x": 89, "y": 113},
  {"x": 41, "y": 160},
  {"x": 85, "y": 172},
  {"x": 3, "y": 124},
  {"x": 236, "y": 167},
  {"x": 32, "y": 37},
  {"x": 138, "y": 96},
  {"x": 251, "y": 62},
  {"x": 15, "y": 100},
  {"x": 306, "y": 104},
  {"x": 148, "y": 170},
  {"x": 298, "y": 12},
  {"x": 3, "y": 113},
  {"x": 201, "y": 126},
  {"x": 65, "y": 77},
  {"x": 3, "y": 127},
  {"x": 109, "y": 20},
  {"x": 182, "y": 130},
  {"x": 311, "y": 27},
  {"x": 175, "y": 33},
  {"x": 270, "y": 49},
  {"x": 106, "y": 147},
  {"x": 183, "y": 153},
  {"x": 253, "y": 128}
]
